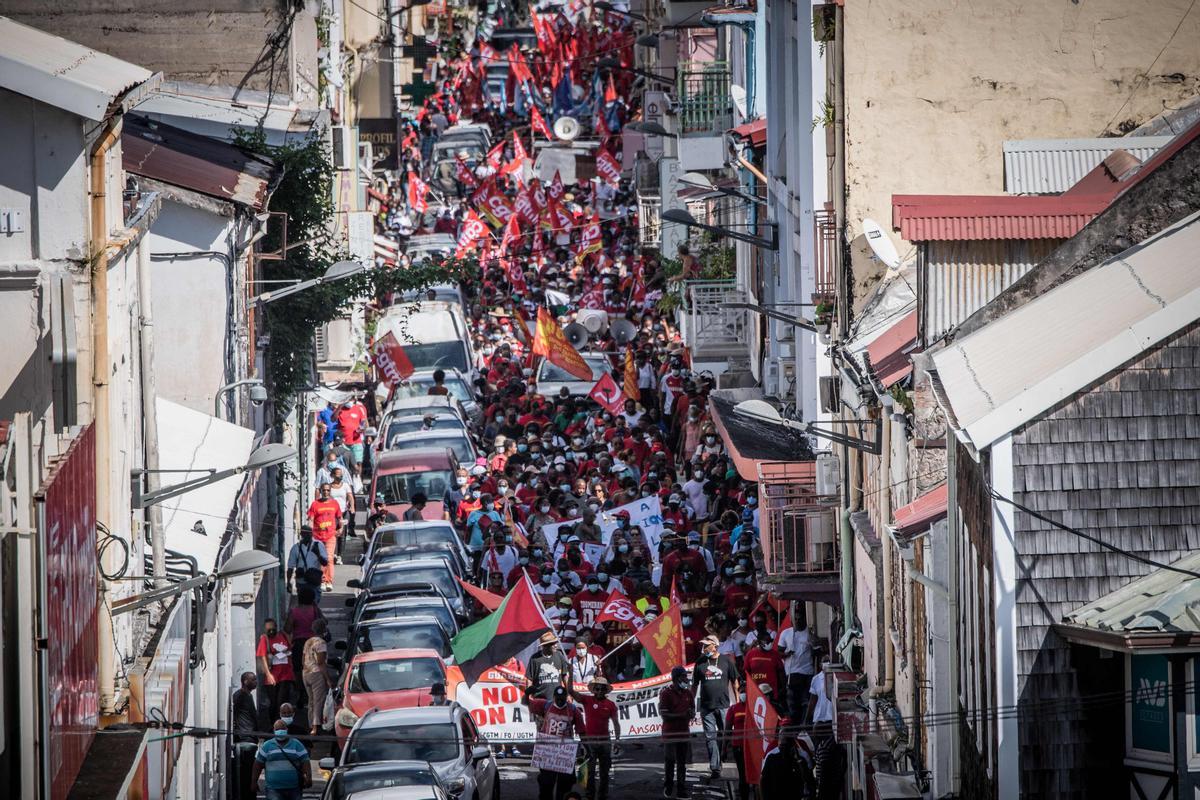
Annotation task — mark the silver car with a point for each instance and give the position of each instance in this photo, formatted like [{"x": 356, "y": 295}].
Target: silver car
[
  {"x": 552, "y": 378},
  {"x": 444, "y": 736}
]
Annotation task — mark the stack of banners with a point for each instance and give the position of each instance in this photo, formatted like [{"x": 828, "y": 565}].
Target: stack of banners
[
  {"x": 645, "y": 513},
  {"x": 494, "y": 702}
]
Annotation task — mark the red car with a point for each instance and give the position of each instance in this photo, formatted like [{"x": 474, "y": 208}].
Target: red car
[
  {"x": 386, "y": 679},
  {"x": 401, "y": 474}
]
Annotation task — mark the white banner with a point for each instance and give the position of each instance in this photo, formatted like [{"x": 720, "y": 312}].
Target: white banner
[
  {"x": 495, "y": 704},
  {"x": 645, "y": 513},
  {"x": 554, "y": 753}
]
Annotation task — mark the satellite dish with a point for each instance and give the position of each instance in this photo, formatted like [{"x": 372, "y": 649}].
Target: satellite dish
[
  {"x": 881, "y": 244},
  {"x": 566, "y": 128},
  {"x": 577, "y": 335},
  {"x": 623, "y": 331},
  {"x": 595, "y": 320},
  {"x": 739, "y": 99}
]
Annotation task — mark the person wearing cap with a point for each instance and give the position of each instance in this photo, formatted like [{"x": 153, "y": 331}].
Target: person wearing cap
[
  {"x": 599, "y": 716},
  {"x": 547, "y": 668},
  {"x": 564, "y": 622},
  {"x": 676, "y": 706},
  {"x": 437, "y": 695},
  {"x": 558, "y": 717},
  {"x": 714, "y": 681},
  {"x": 740, "y": 595},
  {"x": 763, "y": 664}
]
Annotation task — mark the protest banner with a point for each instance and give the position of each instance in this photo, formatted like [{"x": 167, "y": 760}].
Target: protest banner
[{"x": 554, "y": 753}]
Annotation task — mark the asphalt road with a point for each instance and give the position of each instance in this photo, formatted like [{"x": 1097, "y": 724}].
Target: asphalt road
[{"x": 637, "y": 772}]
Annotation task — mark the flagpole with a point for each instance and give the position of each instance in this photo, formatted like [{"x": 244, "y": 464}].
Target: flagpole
[{"x": 615, "y": 649}]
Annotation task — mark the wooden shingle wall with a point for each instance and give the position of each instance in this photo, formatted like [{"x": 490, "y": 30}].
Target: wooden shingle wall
[{"x": 1120, "y": 461}]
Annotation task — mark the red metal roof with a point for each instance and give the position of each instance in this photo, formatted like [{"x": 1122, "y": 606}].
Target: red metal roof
[
  {"x": 922, "y": 512},
  {"x": 890, "y": 353},
  {"x": 755, "y": 130},
  {"x": 934, "y": 217}
]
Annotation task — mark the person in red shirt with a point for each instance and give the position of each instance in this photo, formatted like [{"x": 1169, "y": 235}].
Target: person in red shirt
[
  {"x": 740, "y": 596},
  {"x": 523, "y": 565},
  {"x": 559, "y": 718},
  {"x": 352, "y": 418},
  {"x": 598, "y": 714},
  {"x": 763, "y": 664},
  {"x": 589, "y": 602},
  {"x": 675, "y": 561},
  {"x": 326, "y": 517},
  {"x": 676, "y": 706},
  {"x": 693, "y": 634},
  {"x": 736, "y": 736},
  {"x": 274, "y": 655}
]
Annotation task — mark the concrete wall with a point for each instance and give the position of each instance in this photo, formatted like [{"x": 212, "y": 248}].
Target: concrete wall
[
  {"x": 190, "y": 303},
  {"x": 933, "y": 88}
]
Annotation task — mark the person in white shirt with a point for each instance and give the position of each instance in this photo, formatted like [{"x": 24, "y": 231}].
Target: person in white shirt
[
  {"x": 795, "y": 644},
  {"x": 820, "y": 707},
  {"x": 584, "y": 665},
  {"x": 632, "y": 413},
  {"x": 500, "y": 558},
  {"x": 696, "y": 500}
]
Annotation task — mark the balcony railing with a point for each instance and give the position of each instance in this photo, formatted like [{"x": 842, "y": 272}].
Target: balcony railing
[
  {"x": 705, "y": 104},
  {"x": 825, "y": 228},
  {"x": 649, "y": 220},
  {"x": 710, "y": 329},
  {"x": 798, "y": 527}
]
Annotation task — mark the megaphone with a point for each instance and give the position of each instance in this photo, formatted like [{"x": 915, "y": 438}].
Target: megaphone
[
  {"x": 566, "y": 128},
  {"x": 594, "y": 319},
  {"x": 623, "y": 331},
  {"x": 577, "y": 335}
]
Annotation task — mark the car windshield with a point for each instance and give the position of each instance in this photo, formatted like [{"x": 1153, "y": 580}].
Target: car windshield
[
  {"x": 410, "y": 607},
  {"x": 551, "y": 373},
  {"x": 433, "y": 742},
  {"x": 410, "y": 424},
  {"x": 437, "y": 354},
  {"x": 347, "y": 782},
  {"x": 399, "y": 487},
  {"x": 459, "y": 444},
  {"x": 405, "y": 537},
  {"x": 395, "y": 676},
  {"x": 419, "y": 387},
  {"x": 397, "y": 637},
  {"x": 440, "y": 577}
]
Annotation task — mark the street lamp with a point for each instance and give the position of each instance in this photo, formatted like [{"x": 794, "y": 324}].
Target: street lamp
[
  {"x": 799, "y": 322},
  {"x": 612, "y": 63},
  {"x": 681, "y": 217},
  {"x": 258, "y": 393},
  {"x": 336, "y": 272},
  {"x": 650, "y": 129},
  {"x": 610, "y": 8},
  {"x": 698, "y": 181},
  {"x": 246, "y": 562},
  {"x": 266, "y": 456},
  {"x": 765, "y": 412}
]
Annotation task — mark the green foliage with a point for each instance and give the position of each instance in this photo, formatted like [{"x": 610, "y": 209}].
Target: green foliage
[
  {"x": 718, "y": 263},
  {"x": 305, "y": 194},
  {"x": 827, "y": 115},
  {"x": 669, "y": 302}
]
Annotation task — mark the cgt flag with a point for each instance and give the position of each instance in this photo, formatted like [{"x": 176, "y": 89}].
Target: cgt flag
[
  {"x": 608, "y": 394},
  {"x": 619, "y": 608},
  {"x": 418, "y": 190},
  {"x": 663, "y": 639},
  {"x": 551, "y": 343},
  {"x": 538, "y": 123},
  {"x": 762, "y": 720},
  {"x": 390, "y": 359}
]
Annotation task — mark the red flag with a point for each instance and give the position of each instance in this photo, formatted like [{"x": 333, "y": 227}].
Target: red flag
[
  {"x": 559, "y": 218},
  {"x": 619, "y": 608},
  {"x": 516, "y": 278},
  {"x": 631, "y": 376},
  {"x": 473, "y": 229},
  {"x": 610, "y": 91},
  {"x": 492, "y": 202},
  {"x": 524, "y": 207},
  {"x": 519, "y": 156},
  {"x": 761, "y": 722},
  {"x": 607, "y": 167},
  {"x": 390, "y": 359},
  {"x": 489, "y": 600},
  {"x": 543, "y": 30},
  {"x": 495, "y": 156},
  {"x": 602, "y": 127},
  {"x": 593, "y": 299},
  {"x": 517, "y": 65},
  {"x": 418, "y": 190},
  {"x": 663, "y": 640},
  {"x": 512, "y": 233},
  {"x": 608, "y": 394},
  {"x": 538, "y": 123},
  {"x": 551, "y": 343},
  {"x": 556, "y": 190},
  {"x": 591, "y": 241},
  {"x": 463, "y": 174}
]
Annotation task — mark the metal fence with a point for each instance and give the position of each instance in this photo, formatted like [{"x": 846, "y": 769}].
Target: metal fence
[
  {"x": 705, "y": 104},
  {"x": 710, "y": 327},
  {"x": 825, "y": 229},
  {"x": 649, "y": 220},
  {"x": 798, "y": 527}
]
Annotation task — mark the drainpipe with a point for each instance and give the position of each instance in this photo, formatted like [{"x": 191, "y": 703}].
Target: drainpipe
[
  {"x": 952, "y": 527},
  {"x": 149, "y": 415},
  {"x": 885, "y": 547},
  {"x": 106, "y": 673}
]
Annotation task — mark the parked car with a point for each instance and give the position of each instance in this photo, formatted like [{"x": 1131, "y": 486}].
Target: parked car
[
  {"x": 552, "y": 378},
  {"x": 429, "y": 244},
  {"x": 394, "y": 606},
  {"x": 392, "y": 633},
  {"x": 408, "y": 780},
  {"x": 401, "y": 473},
  {"x": 404, "y": 534},
  {"x": 421, "y": 380},
  {"x": 434, "y": 334},
  {"x": 387, "y": 577},
  {"x": 458, "y": 441},
  {"x": 444, "y": 736},
  {"x": 397, "y": 554},
  {"x": 441, "y": 422},
  {"x": 420, "y": 406},
  {"x": 385, "y": 679}
]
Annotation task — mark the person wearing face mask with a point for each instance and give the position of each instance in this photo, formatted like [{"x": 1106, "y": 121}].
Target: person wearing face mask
[
  {"x": 588, "y": 529},
  {"x": 274, "y": 654},
  {"x": 693, "y": 634},
  {"x": 761, "y": 629},
  {"x": 599, "y": 713},
  {"x": 710, "y": 446},
  {"x": 500, "y": 558},
  {"x": 316, "y": 673},
  {"x": 681, "y": 558},
  {"x": 676, "y": 706},
  {"x": 737, "y": 733},
  {"x": 714, "y": 681},
  {"x": 567, "y": 579},
  {"x": 763, "y": 664},
  {"x": 796, "y": 646},
  {"x": 284, "y": 761},
  {"x": 589, "y": 602},
  {"x": 584, "y": 665},
  {"x": 479, "y": 523},
  {"x": 545, "y": 587},
  {"x": 525, "y": 564},
  {"x": 559, "y": 718},
  {"x": 694, "y": 494},
  {"x": 741, "y": 596}
]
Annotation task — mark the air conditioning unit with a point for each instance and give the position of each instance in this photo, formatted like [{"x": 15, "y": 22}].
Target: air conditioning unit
[
  {"x": 829, "y": 474},
  {"x": 344, "y": 145}
]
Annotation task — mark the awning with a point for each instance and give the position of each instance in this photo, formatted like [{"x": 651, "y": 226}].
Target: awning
[
  {"x": 754, "y": 131},
  {"x": 1159, "y": 611},
  {"x": 918, "y": 515},
  {"x": 750, "y": 441},
  {"x": 192, "y": 440},
  {"x": 890, "y": 353}
]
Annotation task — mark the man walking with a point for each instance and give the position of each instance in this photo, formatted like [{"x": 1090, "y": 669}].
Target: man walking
[
  {"x": 326, "y": 517},
  {"x": 306, "y": 563},
  {"x": 342, "y": 492},
  {"x": 676, "y": 707},
  {"x": 560, "y": 719},
  {"x": 285, "y": 762},
  {"x": 598, "y": 714},
  {"x": 796, "y": 646},
  {"x": 714, "y": 680},
  {"x": 245, "y": 723}
]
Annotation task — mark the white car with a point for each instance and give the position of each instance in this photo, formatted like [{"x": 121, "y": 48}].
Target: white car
[
  {"x": 551, "y": 378},
  {"x": 444, "y": 736}
]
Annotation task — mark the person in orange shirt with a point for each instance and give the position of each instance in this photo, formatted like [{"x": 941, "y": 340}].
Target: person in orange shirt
[{"x": 326, "y": 517}]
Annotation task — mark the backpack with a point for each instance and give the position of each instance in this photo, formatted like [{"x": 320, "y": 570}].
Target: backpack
[{"x": 313, "y": 576}]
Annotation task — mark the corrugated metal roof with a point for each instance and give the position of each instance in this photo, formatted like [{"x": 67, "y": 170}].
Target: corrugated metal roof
[
  {"x": 890, "y": 352},
  {"x": 925, "y": 218},
  {"x": 1024, "y": 363},
  {"x": 1163, "y": 601},
  {"x": 67, "y": 75},
  {"x": 755, "y": 131},
  {"x": 194, "y": 162},
  {"x": 1051, "y": 166},
  {"x": 922, "y": 512},
  {"x": 210, "y": 111}
]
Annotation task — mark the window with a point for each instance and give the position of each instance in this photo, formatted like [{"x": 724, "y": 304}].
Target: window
[
  {"x": 441, "y": 578},
  {"x": 405, "y": 537},
  {"x": 433, "y": 742},
  {"x": 451, "y": 354},
  {"x": 395, "y": 676},
  {"x": 396, "y": 637},
  {"x": 550, "y": 372},
  {"x": 399, "y": 487}
]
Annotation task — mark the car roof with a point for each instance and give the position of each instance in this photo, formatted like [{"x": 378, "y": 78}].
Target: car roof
[
  {"x": 416, "y": 563},
  {"x": 396, "y": 653},
  {"x": 407, "y": 621},
  {"x": 444, "y": 433},
  {"x": 417, "y": 459},
  {"x": 428, "y": 373},
  {"x": 410, "y": 792},
  {"x": 423, "y": 524},
  {"x": 423, "y": 715},
  {"x": 411, "y": 601}
]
